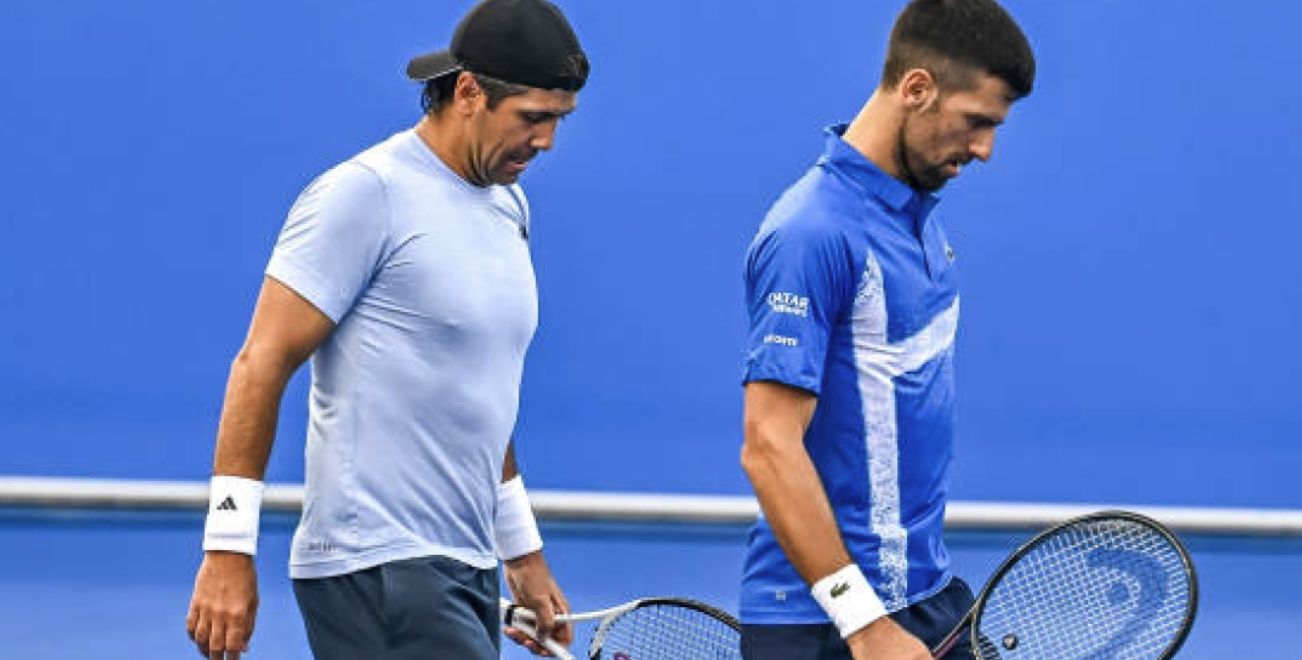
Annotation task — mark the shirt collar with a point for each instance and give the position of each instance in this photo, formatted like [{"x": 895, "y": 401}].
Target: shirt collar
[{"x": 868, "y": 176}]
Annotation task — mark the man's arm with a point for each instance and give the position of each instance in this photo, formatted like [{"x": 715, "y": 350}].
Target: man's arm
[
  {"x": 528, "y": 576},
  {"x": 795, "y": 504},
  {"x": 285, "y": 330},
  {"x": 509, "y": 469}
]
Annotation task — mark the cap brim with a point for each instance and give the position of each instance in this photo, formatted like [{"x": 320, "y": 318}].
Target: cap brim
[{"x": 432, "y": 65}]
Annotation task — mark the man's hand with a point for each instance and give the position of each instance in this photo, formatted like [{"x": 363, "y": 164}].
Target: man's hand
[
  {"x": 884, "y": 639},
  {"x": 532, "y": 586},
  {"x": 224, "y": 604}
]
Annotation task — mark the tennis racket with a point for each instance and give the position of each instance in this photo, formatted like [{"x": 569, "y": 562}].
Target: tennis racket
[
  {"x": 646, "y": 629},
  {"x": 1112, "y": 585}
]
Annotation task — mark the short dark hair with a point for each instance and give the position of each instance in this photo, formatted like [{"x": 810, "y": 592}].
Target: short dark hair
[
  {"x": 948, "y": 36},
  {"x": 437, "y": 92}
]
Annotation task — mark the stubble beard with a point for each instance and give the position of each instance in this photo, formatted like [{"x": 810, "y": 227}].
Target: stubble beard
[{"x": 924, "y": 177}]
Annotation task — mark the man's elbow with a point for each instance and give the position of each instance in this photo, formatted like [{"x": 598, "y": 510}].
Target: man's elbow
[
  {"x": 256, "y": 360},
  {"x": 761, "y": 447}
]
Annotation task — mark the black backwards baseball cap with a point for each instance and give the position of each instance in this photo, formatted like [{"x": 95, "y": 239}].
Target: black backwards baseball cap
[{"x": 526, "y": 42}]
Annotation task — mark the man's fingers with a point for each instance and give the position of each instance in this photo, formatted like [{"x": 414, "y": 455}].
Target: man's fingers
[
  {"x": 237, "y": 640},
  {"x": 546, "y": 620},
  {"x": 526, "y": 641},
  {"x": 563, "y": 633},
  {"x": 219, "y": 636},
  {"x": 200, "y": 636},
  {"x": 249, "y": 620},
  {"x": 217, "y": 639}
]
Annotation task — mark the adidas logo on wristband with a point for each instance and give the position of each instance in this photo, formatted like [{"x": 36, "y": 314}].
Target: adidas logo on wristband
[{"x": 232, "y": 524}]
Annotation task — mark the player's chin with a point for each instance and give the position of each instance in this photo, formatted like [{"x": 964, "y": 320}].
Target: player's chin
[
  {"x": 510, "y": 172},
  {"x": 934, "y": 182}
]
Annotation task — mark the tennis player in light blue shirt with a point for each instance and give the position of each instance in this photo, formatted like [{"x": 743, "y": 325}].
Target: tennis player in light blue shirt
[
  {"x": 429, "y": 283},
  {"x": 852, "y": 297},
  {"x": 405, "y": 273}
]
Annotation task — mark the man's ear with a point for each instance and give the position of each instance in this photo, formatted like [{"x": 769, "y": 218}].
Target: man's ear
[
  {"x": 918, "y": 89},
  {"x": 467, "y": 94}
]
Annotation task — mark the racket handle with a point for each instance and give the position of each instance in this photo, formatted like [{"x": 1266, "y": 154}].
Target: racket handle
[
  {"x": 549, "y": 644},
  {"x": 949, "y": 641},
  {"x": 940, "y": 651},
  {"x": 512, "y": 619}
]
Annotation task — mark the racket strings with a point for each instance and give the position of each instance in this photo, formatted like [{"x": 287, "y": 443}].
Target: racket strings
[
  {"x": 668, "y": 632},
  {"x": 1102, "y": 589}
]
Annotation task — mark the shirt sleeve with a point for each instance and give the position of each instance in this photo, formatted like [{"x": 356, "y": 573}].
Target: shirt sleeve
[
  {"x": 334, "y": 239},
  {"x": 796, "y": 287}
]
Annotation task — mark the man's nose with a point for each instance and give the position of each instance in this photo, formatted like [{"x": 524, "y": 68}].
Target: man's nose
[
  {"x": 543, "y": 136},
  {"x": 983, "y": 147}
]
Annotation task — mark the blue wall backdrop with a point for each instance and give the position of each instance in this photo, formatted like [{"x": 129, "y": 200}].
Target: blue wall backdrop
[{"x": 1131, "y": 263}]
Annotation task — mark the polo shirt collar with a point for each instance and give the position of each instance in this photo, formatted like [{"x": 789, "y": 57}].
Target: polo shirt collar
[{"x": 864, "y": 173}]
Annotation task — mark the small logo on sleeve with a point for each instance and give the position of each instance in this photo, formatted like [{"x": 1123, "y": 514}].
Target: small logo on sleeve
[
  {"x": 949, "y": 253},
  {"x": 227, "y": 504},
  {"x": 788, "y": 303}
]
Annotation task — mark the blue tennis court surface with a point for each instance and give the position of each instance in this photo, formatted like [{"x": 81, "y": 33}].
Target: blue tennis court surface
[{"x": 116, "y": 585}]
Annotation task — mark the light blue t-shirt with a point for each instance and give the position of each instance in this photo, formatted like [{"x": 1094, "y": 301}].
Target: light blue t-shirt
[
  {"x": 414, "y": 394},
  {"x": 852, "y": 295}
]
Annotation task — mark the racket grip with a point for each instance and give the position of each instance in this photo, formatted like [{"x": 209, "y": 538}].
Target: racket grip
[
  {"x": 946, "y": 644},
  {"x": 510, "y": 617},
  {"x": 940, "y": 651},
  {"x": 549, "y": 644}
]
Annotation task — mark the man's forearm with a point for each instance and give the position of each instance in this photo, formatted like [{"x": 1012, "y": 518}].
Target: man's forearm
[
  {"x": 795, "y": 505},
  {"x": 249, "y": 414}
]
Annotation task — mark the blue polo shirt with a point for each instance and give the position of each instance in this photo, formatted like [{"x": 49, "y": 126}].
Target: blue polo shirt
[{"x": 853, "y": 296}]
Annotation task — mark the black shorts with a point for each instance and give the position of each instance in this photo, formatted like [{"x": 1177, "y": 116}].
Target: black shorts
[
  {"x": 414, "y": 609},
  {"x": 929, "y": 620}
]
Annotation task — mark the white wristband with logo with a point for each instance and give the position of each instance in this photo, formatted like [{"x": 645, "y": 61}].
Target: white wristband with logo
[
  {"x": 515, "y": 529},
  {"x": 234, "y": 504},
  {"x": 849, "y": 600}
]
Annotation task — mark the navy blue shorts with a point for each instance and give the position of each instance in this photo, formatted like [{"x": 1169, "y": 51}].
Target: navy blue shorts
[
  {"x": 415, "y": 609},
  {"x": 929, "y": 620}
]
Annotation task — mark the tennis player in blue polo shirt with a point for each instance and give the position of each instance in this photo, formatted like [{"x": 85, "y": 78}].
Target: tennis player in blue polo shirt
[{"x": 853, "y": 302}]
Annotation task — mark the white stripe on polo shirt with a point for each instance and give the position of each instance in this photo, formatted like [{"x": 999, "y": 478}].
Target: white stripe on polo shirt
[{"x": 878, "y": 362}]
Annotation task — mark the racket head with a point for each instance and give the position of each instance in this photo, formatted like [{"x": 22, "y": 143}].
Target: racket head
[
  {"x": 667, "y": 628},
  {"x": 1111, "y": 584}
]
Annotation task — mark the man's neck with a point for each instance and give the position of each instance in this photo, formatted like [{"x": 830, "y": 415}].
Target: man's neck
[
  {"x": 448, "y": 142},
  {"x": 874, "y": 133}
]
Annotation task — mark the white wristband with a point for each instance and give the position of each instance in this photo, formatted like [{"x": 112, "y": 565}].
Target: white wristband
[
  {"x": 515, "y": 529},
  {"x": 233, "y": 507},
  {"x": 849, "y": 600}
]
